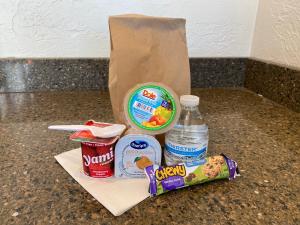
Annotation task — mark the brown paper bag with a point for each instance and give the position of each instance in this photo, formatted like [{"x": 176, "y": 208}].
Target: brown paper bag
[{"x": 146, "y": 49}]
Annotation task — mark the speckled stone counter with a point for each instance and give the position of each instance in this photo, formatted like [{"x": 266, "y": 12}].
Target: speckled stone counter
[{"x": 262, "y": 136}]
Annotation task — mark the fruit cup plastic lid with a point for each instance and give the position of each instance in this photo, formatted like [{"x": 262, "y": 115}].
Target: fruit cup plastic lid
[{"x": 152, "y": 108}]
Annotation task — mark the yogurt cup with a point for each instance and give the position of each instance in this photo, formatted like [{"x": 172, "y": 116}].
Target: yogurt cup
[
  {"x": 97, "y": 153},
  {"x": 98, "y": 159}
]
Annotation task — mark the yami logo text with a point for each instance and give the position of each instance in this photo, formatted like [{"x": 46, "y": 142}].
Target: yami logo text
[
  {"x": 103, "y": 159},
  {"x": 149, "y": 94},
  {"x": 170, "y": 171}
]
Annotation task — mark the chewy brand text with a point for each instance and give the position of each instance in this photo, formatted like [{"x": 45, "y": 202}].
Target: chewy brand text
[{"x": 169, "y": 171}]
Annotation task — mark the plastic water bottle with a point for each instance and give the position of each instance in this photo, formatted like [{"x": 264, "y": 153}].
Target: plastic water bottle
[{"x": 188, "y": 140}]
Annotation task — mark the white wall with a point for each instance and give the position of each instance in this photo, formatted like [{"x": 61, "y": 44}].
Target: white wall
[
  {"x": 277, "y": 32},
  {"x": 77, "y": 28}
]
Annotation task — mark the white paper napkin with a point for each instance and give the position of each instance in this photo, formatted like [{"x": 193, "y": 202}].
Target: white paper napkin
[{"x": 117, "y": 195}]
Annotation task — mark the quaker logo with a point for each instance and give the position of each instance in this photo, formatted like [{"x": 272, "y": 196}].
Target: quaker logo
[{"x": 139, "y": 144}]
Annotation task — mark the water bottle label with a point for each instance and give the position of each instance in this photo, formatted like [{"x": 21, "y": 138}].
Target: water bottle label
[{"x": 190, "y": 151}]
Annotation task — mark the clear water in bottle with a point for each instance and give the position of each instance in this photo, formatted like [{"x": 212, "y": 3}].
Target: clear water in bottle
[{"x": 188, "y": 140}]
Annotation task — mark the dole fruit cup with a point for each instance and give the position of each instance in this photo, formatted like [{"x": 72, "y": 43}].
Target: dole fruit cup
[
  {"x": 97, "y": 153},
  {"x": 151, "y": 108}
]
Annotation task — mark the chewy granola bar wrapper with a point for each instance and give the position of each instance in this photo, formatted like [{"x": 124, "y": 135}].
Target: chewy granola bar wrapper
[{"x": 164, "y": 179}]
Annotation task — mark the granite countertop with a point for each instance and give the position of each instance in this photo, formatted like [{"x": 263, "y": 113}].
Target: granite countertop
[{"x": 262, "y": 136}]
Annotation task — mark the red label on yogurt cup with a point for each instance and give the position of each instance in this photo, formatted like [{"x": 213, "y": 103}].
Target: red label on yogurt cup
[
  {"x": 97, "y": 153},
  {"x": 98, "y": 159}
]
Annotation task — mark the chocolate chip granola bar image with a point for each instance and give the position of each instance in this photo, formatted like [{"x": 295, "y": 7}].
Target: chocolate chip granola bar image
[
  {"x": 164, "y": 179},
  {"x": 211, "y": 169},
  {"x": 216, "y": 159}
]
